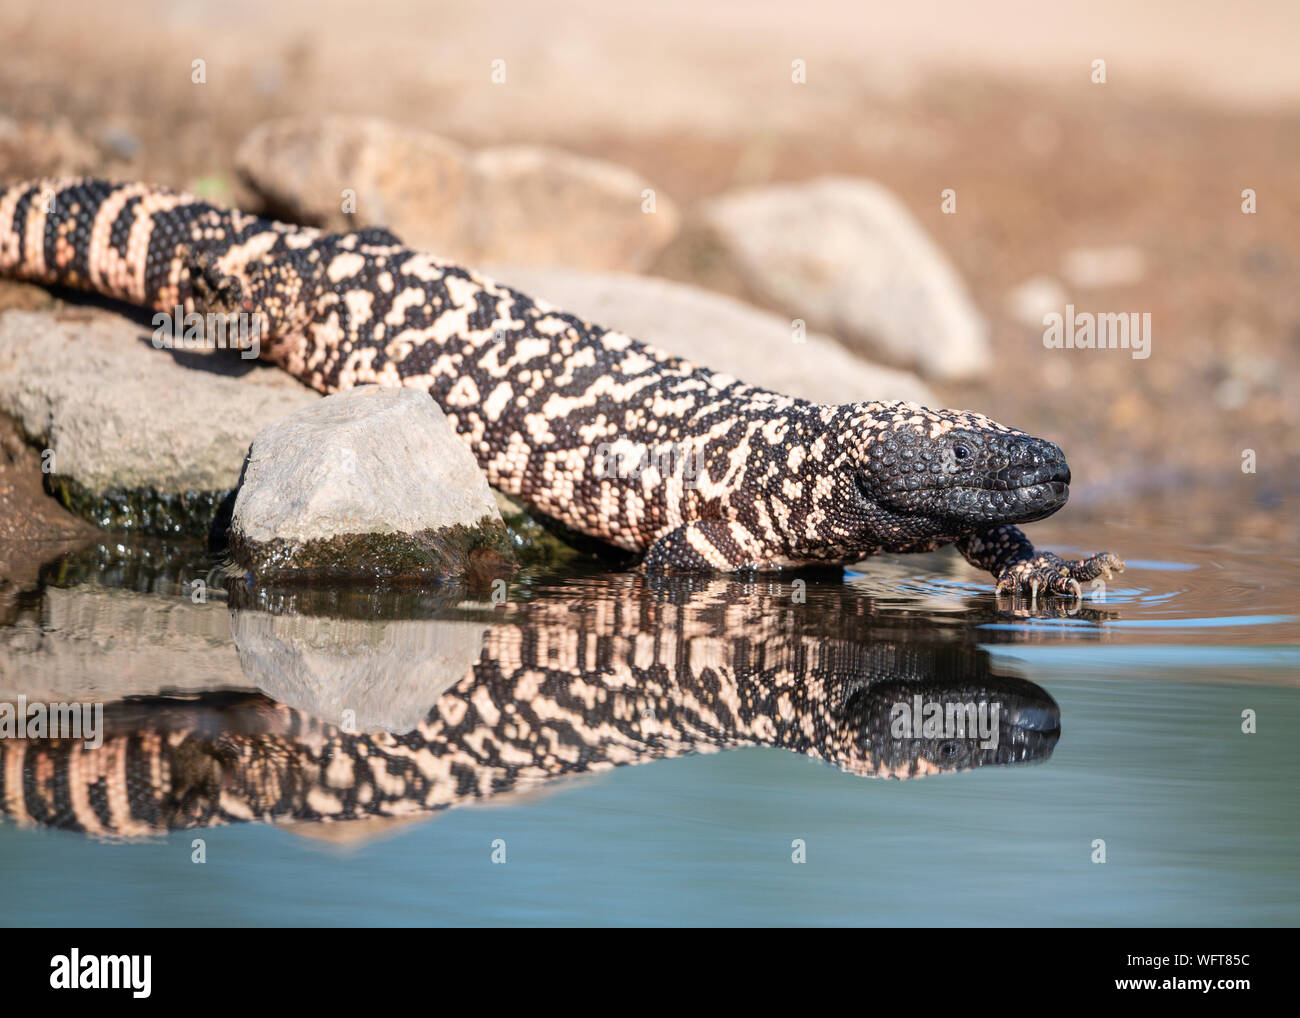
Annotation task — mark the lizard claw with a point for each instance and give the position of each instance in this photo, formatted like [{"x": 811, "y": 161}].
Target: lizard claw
[{"x": 1049, "y": 574}]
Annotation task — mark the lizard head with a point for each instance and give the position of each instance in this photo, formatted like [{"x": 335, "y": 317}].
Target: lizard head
[
  {"x": 917, "y": 473},
  {"x": 1021, "y": 722}
]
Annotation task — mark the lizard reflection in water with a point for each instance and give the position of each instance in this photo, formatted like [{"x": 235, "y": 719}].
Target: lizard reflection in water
[{"x": 562, "y": 687}]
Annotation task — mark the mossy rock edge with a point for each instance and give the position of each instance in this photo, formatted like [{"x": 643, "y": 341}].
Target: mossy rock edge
[{"x": 438, "y": 552}]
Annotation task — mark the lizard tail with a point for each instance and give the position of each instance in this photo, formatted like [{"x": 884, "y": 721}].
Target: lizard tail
[
  {"x": 146, "y": 245},
  {"x": 132, "y": 242}
]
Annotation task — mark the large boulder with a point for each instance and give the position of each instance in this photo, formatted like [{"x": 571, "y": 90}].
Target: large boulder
[
  {"x": 846, "y": 256},
  {"x": 136, "y": 438},
  {"x": 153, "y": 441},
  {"x": 365, "y": 483},
  {"x": 526, "y": 203},
  {"x": 718, "y": 332}
]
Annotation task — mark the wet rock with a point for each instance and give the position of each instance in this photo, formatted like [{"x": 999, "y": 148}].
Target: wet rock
[
  {"x": 526, "y": 204},
  {"x": 33, "y": 527},
  {"x": 537, "y": 542},
  {"x": 363, "y": 675},
  {"x": 846, "y": 256},
  {"x": 718, "y": 332},
  {"x": 135, "y": 438},
  {"x": 367, "y": 482}
]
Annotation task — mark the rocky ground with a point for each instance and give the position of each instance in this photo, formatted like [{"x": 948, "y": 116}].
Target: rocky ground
[
  {"x": 33, "y": 527},
  {"x": 1118, "y": 197}
]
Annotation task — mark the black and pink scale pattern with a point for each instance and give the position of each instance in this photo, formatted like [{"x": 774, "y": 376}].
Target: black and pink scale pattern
[{"x": 544, "y": 398}]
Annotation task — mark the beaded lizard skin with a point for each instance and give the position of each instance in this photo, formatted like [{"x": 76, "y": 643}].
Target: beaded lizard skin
[
  {"x": 564, "y": 688},
  {"x": 609, "y": 436}
]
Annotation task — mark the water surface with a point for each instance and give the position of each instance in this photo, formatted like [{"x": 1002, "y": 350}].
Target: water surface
[{"x": 599, "y": 748}]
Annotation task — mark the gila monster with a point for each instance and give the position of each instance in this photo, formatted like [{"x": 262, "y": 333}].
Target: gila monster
[
  {"x": 611, "y": 437},
  {"x": 564, "y": 688}
]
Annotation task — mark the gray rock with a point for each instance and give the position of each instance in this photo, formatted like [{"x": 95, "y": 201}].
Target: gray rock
[
  {"x": 526, "y": 204},
  {"x": 542, "y": 206},
  {"x": 367, "y": 482},
  {"x": 363, "y": 675},
  {"x": 719, "y": 332},
  {"x": 846, "y": 256},
  {"x": 412, "y": 182},
  {"x": 140, "y": 438},
  {"x": 151, "y": 440}
]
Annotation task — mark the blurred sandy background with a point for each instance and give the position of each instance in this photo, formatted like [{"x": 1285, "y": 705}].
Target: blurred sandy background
[{"x": 995, "y": 100}]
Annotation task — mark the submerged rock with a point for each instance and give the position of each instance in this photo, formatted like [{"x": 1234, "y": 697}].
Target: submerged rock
[
  {"x": 135, "y": 438},
  {"x": 367, "y": 482},
  {"x": 720, "y": 333},
  {"x": 523, "y": 203},
  {"x": 848, "y": 257}
]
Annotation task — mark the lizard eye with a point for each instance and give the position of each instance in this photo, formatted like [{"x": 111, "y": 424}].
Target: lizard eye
[{"x": 960, "y": 452}]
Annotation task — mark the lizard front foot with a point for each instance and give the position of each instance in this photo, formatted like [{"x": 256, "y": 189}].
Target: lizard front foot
[{"x": 1048, "y": 574}]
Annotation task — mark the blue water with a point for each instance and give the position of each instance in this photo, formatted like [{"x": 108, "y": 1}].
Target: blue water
[{"x": 1199, "y": 820}]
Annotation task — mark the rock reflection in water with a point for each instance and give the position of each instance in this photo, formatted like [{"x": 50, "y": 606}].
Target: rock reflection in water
[{"x": 520, "y": 696}]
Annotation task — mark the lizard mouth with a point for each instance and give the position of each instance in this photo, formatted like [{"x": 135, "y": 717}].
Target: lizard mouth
[
  {"x": 1019, "y": 477},
  {"x": 1012, "y": 495},
  {"x": 1026, "y": 498}
]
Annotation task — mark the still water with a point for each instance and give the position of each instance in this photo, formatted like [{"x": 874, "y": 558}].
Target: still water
[{"x": 596, "y": 748}]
